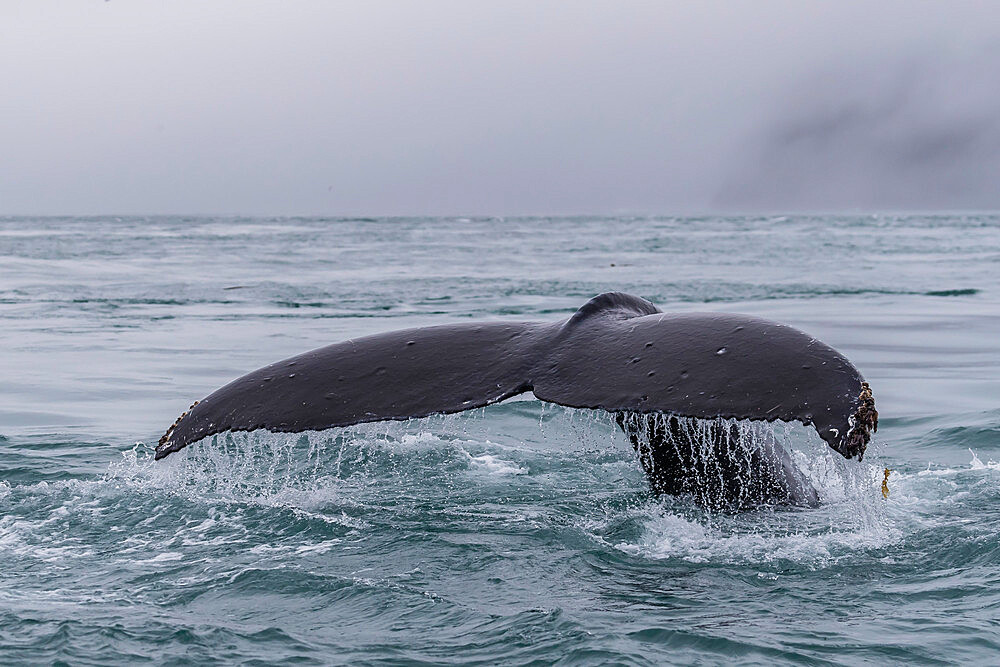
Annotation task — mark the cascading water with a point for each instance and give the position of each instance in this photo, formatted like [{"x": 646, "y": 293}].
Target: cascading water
[
  {"x": 722, "y": 463},
  {"x": 711, "y": 473}
]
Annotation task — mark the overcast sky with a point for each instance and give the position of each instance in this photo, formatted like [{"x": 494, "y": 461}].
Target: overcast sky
[{"x": 475, "y": 107}]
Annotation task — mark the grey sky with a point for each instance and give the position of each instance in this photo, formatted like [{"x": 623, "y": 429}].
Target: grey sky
[{"x": 385, "y": 108}]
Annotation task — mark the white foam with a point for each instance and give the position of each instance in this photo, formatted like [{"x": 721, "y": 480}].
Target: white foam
[
  {"x": 204, "y": 525},
  {"x": 166, "y": 557},
  {"x": 31, "y": 539},
  {"x": 494, "y": 465},
  {"x": 666, "y": 535},
  {"x": 318, "y": 548}
]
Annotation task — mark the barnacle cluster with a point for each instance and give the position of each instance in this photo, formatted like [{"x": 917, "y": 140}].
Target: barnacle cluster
[
  {"x": 864, "y": 422},
  {"x": 166, "y": 436}
]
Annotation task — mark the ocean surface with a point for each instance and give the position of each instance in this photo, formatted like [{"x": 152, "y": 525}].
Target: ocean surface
[{"x": 519, "y": 533}]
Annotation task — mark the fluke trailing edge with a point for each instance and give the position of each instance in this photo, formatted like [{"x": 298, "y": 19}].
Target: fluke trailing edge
[{"x": 618, "y": 353}]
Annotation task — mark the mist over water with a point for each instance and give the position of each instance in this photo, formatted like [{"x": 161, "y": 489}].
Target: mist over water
[
  {"x": 914, "y": 130},
  {"x": 512, "y": 108},
  {"x": 520, "y": 532}
]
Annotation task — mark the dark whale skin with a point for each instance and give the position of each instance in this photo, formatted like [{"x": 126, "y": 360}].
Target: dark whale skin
[{"x": 617, "y": 353}]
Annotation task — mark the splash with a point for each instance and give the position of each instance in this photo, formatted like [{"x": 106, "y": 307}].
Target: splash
[
  {"x": 316, "y": 470},
  {"x": 383, "y": 471},
  {"x": 977, "y": 464},
  {"x": 699, "y": 526}
]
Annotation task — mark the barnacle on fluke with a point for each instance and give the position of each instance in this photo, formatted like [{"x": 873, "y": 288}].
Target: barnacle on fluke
[
  {"x": 864, "y": 422},
  {"x": 166, "y": 436}
]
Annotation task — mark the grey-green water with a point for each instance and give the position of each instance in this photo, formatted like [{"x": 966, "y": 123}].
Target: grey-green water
[{"x": 519, "y": 533}]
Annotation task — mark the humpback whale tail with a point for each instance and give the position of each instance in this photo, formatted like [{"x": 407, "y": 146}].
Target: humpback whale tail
[{"x": 618, "y": 353}]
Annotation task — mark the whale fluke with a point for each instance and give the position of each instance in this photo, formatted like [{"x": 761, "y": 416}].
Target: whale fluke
[{"x": 618, "y": 353}]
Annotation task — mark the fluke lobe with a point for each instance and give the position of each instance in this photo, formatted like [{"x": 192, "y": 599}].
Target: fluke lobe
[{"x": 618, "y": 353}]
